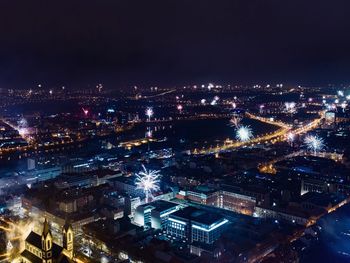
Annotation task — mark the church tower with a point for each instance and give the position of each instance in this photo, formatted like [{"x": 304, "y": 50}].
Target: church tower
[
  {"x": 46, "y": 243},
  {"x": 68, "y": 239}
]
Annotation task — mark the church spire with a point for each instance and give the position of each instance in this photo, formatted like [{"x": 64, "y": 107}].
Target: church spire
[
  {"x": 46, "y": 228},
  {"x": 46, "y": 243},
  {"x": 68, "y": 239}
]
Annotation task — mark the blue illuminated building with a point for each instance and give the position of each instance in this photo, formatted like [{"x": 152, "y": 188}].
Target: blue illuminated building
[
  {"x": 192, "y": 224},
  {"x": 155, "y": 214}
]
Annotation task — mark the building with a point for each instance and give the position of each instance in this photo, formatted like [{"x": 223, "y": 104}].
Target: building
[
  {"x": 126, "y": 185},
  {"x": 314, "y": 185},
  {"x": 42, "y": 248},
  {"x": 30, "y": 164},
  {"x": 295, "y": 216},
  {"x": 74, "y": 200},
  {"x": 235, "y": 201},
  {"x": 86, "y": 179},
  {"x": 203, "y": 196},
  {"x": 106, "y": 233},
  {"x": 130, "y": 204},
  {"x": 40, "y": 175},
  {"x": 228, "y": 197},
  {"x": 155, "y": 214},
  {"x": 196, "y": 225}
]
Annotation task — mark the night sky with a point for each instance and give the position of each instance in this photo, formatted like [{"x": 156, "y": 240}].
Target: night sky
[{"x": 174, "y": 42}]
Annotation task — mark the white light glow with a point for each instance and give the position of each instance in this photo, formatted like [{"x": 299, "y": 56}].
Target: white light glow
[
  {"x": 314, "y": 143},
  {"x": 148, "y": 180},
  {"x": 244, "y": 133},
  {"x": 212, "y": 227},
  {"x": 149, "y": 112},
  {"x": 290, "y": 137}
]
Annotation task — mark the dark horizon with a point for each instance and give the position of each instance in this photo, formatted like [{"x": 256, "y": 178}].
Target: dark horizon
[{"x": 173, "y": 43}]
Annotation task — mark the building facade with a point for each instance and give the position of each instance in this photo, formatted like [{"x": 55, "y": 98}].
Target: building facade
[{"x": 42, "y": 248}]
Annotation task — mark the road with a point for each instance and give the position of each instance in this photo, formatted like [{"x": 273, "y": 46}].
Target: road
[{"x": 277, "y": 136}]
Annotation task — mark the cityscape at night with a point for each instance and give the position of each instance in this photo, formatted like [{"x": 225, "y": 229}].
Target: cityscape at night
[{"x": 170, "y": 132}]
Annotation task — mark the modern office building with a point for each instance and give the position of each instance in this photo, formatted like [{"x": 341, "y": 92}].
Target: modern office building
[
  {"x": 192, "y": 224},
  {"x": 155, "y": 214}
]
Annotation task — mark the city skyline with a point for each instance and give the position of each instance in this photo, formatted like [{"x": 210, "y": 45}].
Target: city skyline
[{"x": 162, "y": 131}]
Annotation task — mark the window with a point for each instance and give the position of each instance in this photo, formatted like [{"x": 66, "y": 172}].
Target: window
[{"x": 48, "y": 244}]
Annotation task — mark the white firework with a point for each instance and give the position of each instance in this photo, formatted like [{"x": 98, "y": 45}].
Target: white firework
[
  {"x": 149, "y": 113},
  {"x": 148, "y": 181},
  {"x": 234, "y": 122},
  {"x": 23, "y": 127},
  {"x": 290, "y": 106},
  {"x": 290, "y": 137},
  {"x": 344, "y": 105},
  {"x": 22, "y": 123},
  {"x": 149, "y": 133},
  {"x": 244, "y": 133},
  {"x": 314, "y": 143}
]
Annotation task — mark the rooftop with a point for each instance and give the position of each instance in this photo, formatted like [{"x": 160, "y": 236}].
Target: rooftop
[
  {"x": 197, "y": 215},
  {"x": 322, "y": 199},
  {"x": 161, "y": 205}
]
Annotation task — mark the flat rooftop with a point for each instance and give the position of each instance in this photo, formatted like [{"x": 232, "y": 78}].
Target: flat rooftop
[
  {"x": 198, "y": 215},
  {"x": 161, "y": 205}
]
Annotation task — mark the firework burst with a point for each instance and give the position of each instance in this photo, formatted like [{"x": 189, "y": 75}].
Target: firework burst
[
  {"x": 314, "y": 143},
  {"x": 149, "y": 113},
  {"x": 235, "y": 121},
  {"x": 149, "y": 133},
  {"x": 148, "y": 181},
  {"x": 244, "y": 133},
  {"x": 290, "y": 107},
  {"x": 290, "y": 137}
]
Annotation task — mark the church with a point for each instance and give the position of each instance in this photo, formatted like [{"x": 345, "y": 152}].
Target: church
[{"x": 42, "y": 249}]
